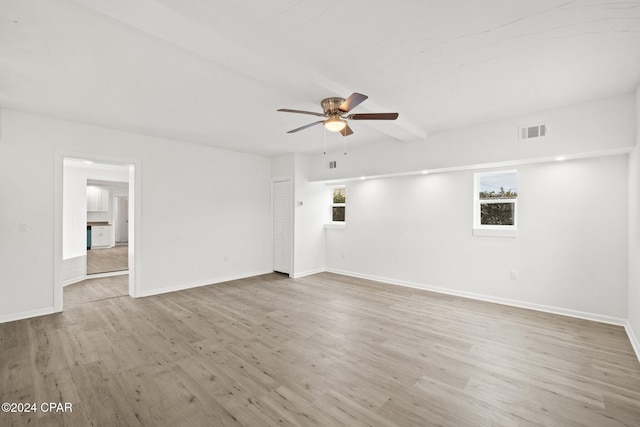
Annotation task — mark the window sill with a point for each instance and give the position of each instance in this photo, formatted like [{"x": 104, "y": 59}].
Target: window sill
[
  {"x": 494, "y": 233},
  {"x": 335, "y": 225}
]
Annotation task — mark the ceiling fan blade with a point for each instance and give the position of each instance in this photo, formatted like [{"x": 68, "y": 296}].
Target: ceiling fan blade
[
  {"x": 286, "y": 110},
  {"x": 306, "y": 126},
  {"x": 373, "y": 116},
  {"x": 352, "y": 102},
  {"x": 346, "y": 131}
]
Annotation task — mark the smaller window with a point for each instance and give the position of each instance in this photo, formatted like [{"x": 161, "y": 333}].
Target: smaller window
[
  {"x": 338, "y": 203},
  {"x": 495, "y": 203}
]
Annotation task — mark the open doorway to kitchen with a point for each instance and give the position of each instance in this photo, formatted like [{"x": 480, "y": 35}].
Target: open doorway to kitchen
[
  {"x": 107, "y": 227},
  {"x": 98, "y": 228}
]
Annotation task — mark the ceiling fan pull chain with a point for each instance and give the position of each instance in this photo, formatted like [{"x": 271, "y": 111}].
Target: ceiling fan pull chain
[
  {"x": 324, "y": 139},
  {"x": 344, "y": 138}
]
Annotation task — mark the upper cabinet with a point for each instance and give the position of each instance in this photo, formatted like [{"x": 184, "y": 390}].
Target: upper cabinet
[{"x": 97, "y": 199}]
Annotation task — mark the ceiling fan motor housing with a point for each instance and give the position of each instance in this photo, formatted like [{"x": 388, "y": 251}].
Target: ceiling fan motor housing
[{"x": 330, "y": 105}]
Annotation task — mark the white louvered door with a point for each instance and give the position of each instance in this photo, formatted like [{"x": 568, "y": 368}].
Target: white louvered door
[{"x": 282, "y": 226}]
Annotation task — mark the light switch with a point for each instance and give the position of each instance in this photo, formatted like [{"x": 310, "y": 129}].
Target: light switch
[{"x": 23, "y": 227}]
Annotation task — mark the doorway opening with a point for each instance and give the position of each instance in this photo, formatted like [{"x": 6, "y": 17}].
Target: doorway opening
[
  {"x": 107, "y": 227},
  {"x": 98, "y": 230}
]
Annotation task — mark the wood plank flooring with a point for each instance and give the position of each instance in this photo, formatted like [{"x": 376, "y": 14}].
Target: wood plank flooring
[
  {"x": 107, "y": 260},
  {"x": 324, "y": 350},
  {"x": 91, "y": 290}
]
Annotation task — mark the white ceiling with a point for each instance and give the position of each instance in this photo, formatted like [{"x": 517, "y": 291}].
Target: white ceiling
[{"x": 214, "y": 72}]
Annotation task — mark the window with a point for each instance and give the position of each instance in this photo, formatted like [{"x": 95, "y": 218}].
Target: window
[
  {"x": 338, "y": 206},
  {"x": 495, "y": 204}
]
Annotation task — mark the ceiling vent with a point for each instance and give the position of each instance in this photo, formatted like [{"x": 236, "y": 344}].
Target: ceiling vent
[
  {"x": 532, "y": 131},
  {"x": 332, "y": 164}
]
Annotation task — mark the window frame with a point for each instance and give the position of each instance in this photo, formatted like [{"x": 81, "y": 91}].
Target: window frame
[
  {"x": 338, "y": 205},
  {"x": 494, "y": 230}
]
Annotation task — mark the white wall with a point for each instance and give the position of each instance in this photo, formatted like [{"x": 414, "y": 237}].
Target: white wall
[
  {"x": 283, "y": 166},
  {"x": 564, "y": 263},
  {"x": 570, "y": 255},
  {"x": 198, "y": 206},
  {"x": 633, "y": 325},
  {"x": 606, "y": 124},
  {"x": 74, "y": 213}
]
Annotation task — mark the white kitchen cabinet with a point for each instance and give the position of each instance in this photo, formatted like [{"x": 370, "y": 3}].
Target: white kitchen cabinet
[
  {"x": 100, "y": 236},
  {"x": 97, "y": 199}
]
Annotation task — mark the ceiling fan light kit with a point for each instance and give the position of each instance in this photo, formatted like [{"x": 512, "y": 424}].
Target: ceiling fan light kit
[
  {"x": 335, "y": 124},
  {"x": 335, "y": 110}
]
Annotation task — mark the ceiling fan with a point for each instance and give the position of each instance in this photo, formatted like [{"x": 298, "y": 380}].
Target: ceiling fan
[{"x": 335, "y": 111}]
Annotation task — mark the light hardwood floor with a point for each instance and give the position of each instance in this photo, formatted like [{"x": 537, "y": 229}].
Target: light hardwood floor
[
  {"x": 91, "y": 290},
  {"x": 324, "y": 350},
  {"x": 107, "y": 260}
]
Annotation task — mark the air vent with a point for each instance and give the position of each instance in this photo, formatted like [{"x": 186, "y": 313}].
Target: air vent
[
  {"x": 533, "y": 131},
  {"x": 332, "y": 164}
]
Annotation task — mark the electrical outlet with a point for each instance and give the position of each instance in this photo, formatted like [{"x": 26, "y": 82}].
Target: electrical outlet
[{"x": 23, "y": 227}]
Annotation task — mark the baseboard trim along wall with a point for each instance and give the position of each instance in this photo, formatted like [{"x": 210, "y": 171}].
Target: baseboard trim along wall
[
  {"x": 26, "y": 315},
  {"x": 73, "y": 280},
  {"x": 50, "y": 310},
  {"x": 184, "y": 286},
  {"x": 635, "y": 343},
  {"x": 108, "y": 274},
  {"x": 74, "y": 270},
  {"x": 504, "y": 301},
  {"x": 308, "y": 273}
]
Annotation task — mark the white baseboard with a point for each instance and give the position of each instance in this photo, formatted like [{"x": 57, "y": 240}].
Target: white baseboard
[
  {"x": 26, "y": 314},
  {"x": 72, "y": 280},
  {"x": 635, "y": 342},
  {"x": 182, "y": 287},
  {"x": 308, "y": 273},
  {"x": 74, "y": 270},
  {"x": 504, "y": 301},
  {"x": 109, "y": 274}
]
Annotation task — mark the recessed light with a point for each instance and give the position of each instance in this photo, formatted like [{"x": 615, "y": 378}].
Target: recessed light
[
  {"x": 363, "y": 177},
  {"x": 88, "y": 162},
  {"x": 425, "y": 172},
  {"x": 560, "y": 159}
]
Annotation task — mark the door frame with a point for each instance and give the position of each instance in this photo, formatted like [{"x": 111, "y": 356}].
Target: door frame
[{"x": 134, "y": 220}]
